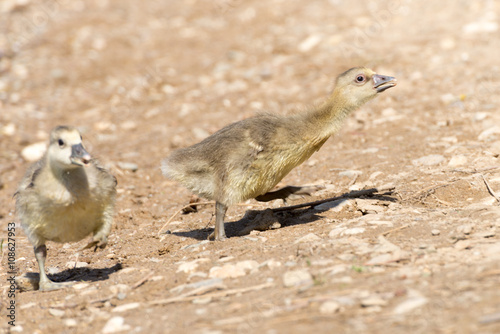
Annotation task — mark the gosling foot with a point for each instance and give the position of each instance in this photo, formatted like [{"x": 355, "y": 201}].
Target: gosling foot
[
  {"x": 97, "y": 242},
  {"x": 49, "y": 285},
  {"x": 213, "y": 237}
]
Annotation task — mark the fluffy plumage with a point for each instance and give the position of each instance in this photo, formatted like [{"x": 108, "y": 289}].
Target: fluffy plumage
[
  {"x": 64, "y": 197},
  {"x": 248, "y": 158}
]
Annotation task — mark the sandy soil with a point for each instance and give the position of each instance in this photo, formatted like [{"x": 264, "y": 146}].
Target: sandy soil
[{"x": 141, "y": 78}]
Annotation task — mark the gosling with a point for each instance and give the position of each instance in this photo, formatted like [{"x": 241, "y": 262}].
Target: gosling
[
  {"x": 248, "y": 158},
  {"x": 64, "y": 197}
]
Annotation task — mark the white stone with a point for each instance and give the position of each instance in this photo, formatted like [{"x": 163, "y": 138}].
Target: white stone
[
  {"x": 309, "y": 43},
  {"x": 299, "y": 277},
  {"x": 336, "y": 232},
  {"x": 73, "y": 264},
  {"x": 368, "y": 206},
  {"x": 70, "y": 322},
  {"x": 465, "y": 229},
  {"x": 131, "y": 166},
  {"x": 56, "y": 312},
  {"x": 410, "y": 304},
  {"x": 17, "y": 329},
  {"x": 190, "y": 267},
  {"x": 272, "y": 264},
  {"x": 9, "y": 129},
  {"x": 226, "y": 271},
  {"x": 480, "y": 27},
  {"x": 115, "y": 325},
  {"x": 329, "y": 307},
  {"x": 335, "y": 206},
  {"x": 34, "y": 152},
  {"x": 448, "y": 98},
  {"x": 457, "y": 160},
  {"x": 494, "y": 130},
  {"x": 435, "y": 232},
  {"x": 353, "y": 231},
  {"x": 351, "y": 173},
  {"x": 429, "y": 160},
  {"x": 248, "y": 265},
  {"x": 373, "y": 301},
  {"x": 205, "y": 283},
  {"x": 126, "y": 307},
  {"x": 128, "y": 125},
  {"x": 311, "y": 237},
  {"x": 447, "y": 43},
  {"x": 119, "y": 288}
]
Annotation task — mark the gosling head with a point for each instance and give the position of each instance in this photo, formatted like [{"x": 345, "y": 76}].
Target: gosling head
[
  {"x": 359, "y": 85},
  {"x": 66, "y": 150}
]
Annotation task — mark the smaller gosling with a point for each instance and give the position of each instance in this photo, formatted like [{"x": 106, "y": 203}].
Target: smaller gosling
[
  {"x": 248, "y": 158},
  {"x": 64, "y": 197}
]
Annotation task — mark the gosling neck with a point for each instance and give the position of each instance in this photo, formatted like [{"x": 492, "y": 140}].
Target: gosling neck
[
  {"x": 72, "y": 178},
  {"x": 329, "y": 116}
]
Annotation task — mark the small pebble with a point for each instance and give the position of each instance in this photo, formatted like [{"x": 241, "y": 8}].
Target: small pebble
[
  {"x": 373, "y": 301},
  {"x": 309, "y": 43},
  {"x": 115, "y": 325},
  {"x": 56, "y": 312},
  {"x": 458, "y": 160},
  {"x": 329, "y": 307},
  {"x": 410, "y": 304},
  {"x": 335, "y": 206},
  {"x": 435, "y": 232},
  {"x": 73, "y": 264},
  {"x": 70, "y": 322},
  {"x": 34, "y": 152},
  {"x": 299, "y": 277},
  {"x": 494, "y": 130},
  {"x": 429, "y": 160},
  {"x": 353, "y": 231},
  {"x": 128, "y": 166},
  {"x": 126, "y": 307},
  {"x": 308, "y": 238},
  {"x": 226, "y": 271},
  {"x": 248, "y": 265}
]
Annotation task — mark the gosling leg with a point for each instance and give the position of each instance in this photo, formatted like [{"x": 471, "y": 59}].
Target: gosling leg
[
  {"x": 45, "y": 284},
  {"x": 219, "y": 233}
]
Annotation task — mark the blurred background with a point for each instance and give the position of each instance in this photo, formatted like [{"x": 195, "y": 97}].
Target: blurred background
[{"x": 141, "y": 78}]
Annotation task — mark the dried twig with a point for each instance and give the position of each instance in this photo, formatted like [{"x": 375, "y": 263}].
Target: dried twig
[
  {"x": 189, "y": 297},
  {"x": 474, "y": 171},
  {"x": 102, "y": 300},
  {"x": 179, "y": 211},
  {"x": 492, "y": 193},
  {"x": 493, "y": 272},
  {"x": 142, "y": 281},
  {"x": 429, "y": 190},
  {"x": 393, "y": 230}
]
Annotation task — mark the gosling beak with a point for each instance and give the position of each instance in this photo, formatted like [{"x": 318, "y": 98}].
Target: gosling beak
[
  {"x": 79, "y": 156},
  {"x": 383, "y": 82}
]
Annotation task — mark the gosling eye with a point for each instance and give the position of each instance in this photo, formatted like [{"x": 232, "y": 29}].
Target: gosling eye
[
  {"x": 61, "y": 143},
  {"x": 360, "y": 78}
]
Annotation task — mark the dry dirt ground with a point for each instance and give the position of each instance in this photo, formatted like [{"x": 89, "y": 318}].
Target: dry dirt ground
[{"x": 141, "y": 78}]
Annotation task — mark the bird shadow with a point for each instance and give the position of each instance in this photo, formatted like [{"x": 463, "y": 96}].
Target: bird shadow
[
  {"x": 282, "y": 217},
  {"x": 72, "y": 275}
]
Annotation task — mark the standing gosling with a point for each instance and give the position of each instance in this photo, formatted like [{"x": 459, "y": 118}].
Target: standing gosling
[
  {"x": 64, "y": 197},
  {"x": 248, "y": 158}
]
